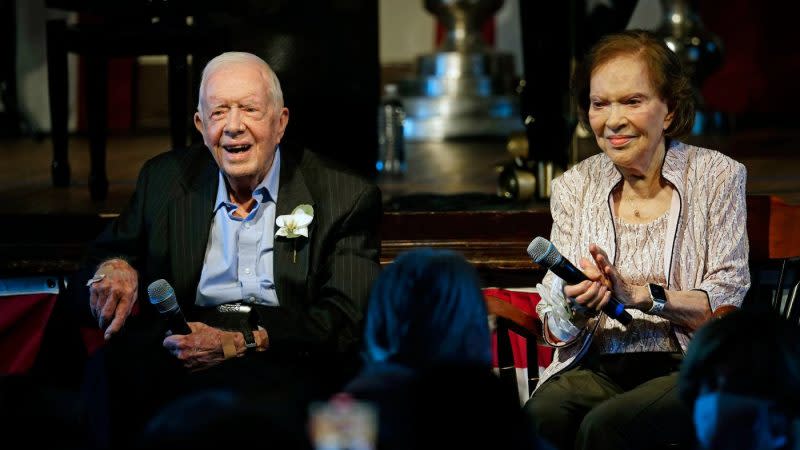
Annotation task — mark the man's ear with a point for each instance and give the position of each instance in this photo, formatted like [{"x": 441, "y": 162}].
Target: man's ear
[
  {"x": 198, "y": 122},
  {"x": 283, "y": 121}
]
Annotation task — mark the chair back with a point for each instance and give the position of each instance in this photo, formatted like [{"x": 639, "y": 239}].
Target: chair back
[
  {"x": 518, "y": 350},
  {"x": 784, "y": 298},
  {"x": 787, "y": 306}
]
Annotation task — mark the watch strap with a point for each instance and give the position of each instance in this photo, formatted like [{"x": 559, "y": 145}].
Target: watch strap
[
  {"x": 658, "y": 302},
  {"x": 249, "y": 339},
  {"x": 247, "y": 332}
]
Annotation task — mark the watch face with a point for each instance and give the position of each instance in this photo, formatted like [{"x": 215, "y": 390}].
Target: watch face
[{"x": 657, "y": 292}]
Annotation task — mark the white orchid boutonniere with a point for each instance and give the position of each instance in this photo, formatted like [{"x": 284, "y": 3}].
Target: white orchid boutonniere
[{"x": 294, "y": 225}]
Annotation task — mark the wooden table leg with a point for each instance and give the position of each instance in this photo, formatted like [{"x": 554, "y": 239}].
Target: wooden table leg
[
  {"x": 57, "y": 89},
  {"x": 97, "y": 97}
]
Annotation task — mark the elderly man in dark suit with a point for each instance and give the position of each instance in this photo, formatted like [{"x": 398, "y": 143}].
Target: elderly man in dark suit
[{"x": 275, "y": 230}]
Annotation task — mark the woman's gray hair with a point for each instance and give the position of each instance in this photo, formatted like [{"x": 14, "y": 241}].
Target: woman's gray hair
[{"x": 274, "y": 91}]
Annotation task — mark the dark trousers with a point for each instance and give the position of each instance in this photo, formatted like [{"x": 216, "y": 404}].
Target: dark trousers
[
  {"x": 619, "y": 401},
  {"x": 133, "y": 378}
]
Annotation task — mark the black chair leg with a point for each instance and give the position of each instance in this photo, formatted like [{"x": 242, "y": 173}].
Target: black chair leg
[
  {"x": 57, "y": 90},
  {"x": 777, "y": 297},
  {"x": 533, "y": 364},
  {"x": 97, "y": 115},
  {"x": 505, "y": 360}
]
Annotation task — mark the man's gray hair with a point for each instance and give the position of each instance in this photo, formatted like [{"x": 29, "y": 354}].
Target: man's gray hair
[{"x": 274, "y": 91}]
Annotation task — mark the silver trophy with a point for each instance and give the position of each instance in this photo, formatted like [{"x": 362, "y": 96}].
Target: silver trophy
[
  {"x": 463, "y": 89},
  {"x": 700, "y": 50}
]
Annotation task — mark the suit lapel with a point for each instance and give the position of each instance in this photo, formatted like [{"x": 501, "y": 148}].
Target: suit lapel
[
  {"x": 189, "y": 225},
  {"x": 291, "y": 269}
]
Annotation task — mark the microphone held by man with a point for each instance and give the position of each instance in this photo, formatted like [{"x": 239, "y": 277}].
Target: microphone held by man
[{"x": 162, "y": 296}]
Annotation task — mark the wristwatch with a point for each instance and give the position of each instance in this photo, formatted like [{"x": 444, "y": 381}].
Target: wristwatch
[
  {"x": 659, "y": 298},
  {"x": 249, "y": 339},
  {"x": 247, "y": 332}
]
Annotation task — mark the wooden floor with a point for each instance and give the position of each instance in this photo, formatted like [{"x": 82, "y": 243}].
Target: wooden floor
[
  {"x": 26, "y": 186},
  {"x": 772, "y": 159}
]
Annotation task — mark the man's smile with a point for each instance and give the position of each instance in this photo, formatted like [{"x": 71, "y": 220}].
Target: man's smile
[{"x": 237, "y": 148}]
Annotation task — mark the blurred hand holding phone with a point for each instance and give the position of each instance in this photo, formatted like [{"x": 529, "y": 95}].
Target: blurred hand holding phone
[{"x": 343, "y": 423}]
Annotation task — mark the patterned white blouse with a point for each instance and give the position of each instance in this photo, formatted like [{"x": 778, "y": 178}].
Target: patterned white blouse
[
  {"x": 704, "y": 245},
  {"x": 638, "y": 261}
]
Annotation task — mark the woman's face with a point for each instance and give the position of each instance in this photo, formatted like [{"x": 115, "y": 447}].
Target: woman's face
[{"x": 626, "y": 114}]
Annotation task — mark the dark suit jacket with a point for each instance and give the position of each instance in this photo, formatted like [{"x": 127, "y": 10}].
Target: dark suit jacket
[{"x": 323, "y": 294}]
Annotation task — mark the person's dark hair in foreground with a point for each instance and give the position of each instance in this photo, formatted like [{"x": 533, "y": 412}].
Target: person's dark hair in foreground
[
  {"x": 426, "y": 308},
  {"x": 741, "y": 376},
  {"x": 427, "y": 359}
]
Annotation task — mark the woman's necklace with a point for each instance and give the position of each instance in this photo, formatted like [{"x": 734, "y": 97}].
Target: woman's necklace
[
  {"x": 644, "y": 208},
  {"x": 634, "y": 204},
  {"x": 634, "y": 207}
]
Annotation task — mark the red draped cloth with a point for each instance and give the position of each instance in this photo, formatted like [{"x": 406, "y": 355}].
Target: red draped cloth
[
  {"x": 22, "y": 322},
  {"x": 526, "y": 301}
]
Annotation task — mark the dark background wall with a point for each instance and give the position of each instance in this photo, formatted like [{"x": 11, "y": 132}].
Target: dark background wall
[{"x": 326, "y": 55}]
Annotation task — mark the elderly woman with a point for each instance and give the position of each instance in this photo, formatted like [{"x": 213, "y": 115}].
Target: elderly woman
[{"x": 656, "y": 224}]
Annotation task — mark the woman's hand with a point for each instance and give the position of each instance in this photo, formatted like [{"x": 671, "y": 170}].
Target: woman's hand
[
  {"x": 591, "y": 294},
  {"x": 630, "y": 295},
  {"x": 603, "y": 282}
]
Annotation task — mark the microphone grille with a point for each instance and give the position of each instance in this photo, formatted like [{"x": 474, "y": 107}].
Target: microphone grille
[
  {"x": 543, "y": 252},
  {"x": 162, "y": 296}
]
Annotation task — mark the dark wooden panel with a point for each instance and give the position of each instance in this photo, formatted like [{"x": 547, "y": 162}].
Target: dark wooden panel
[
  {"x": 494, "y": 241},
  {"x": 471, "y": 225},
  {"x": 772, "y": 227}
]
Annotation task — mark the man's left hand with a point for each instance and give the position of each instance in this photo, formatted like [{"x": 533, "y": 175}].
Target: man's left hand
[{"x": 199, "y": 350}]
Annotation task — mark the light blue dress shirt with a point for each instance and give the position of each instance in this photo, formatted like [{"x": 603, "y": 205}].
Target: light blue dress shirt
[{"x": 238, "y": 261}]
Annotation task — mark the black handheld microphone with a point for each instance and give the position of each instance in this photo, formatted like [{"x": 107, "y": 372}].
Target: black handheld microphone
[
  {"x": 162, "y": 296},
  {"x": 544, "y": 253}
]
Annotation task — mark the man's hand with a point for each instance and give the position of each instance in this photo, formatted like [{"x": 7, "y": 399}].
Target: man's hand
[
  {"x": 112, "y": 298},
  {"x": 199, "y": 350}
]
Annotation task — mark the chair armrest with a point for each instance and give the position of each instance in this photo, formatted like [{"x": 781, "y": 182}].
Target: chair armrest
[
  {"x": 519, "y": 321},
  {"x": 723, "y": 310}
]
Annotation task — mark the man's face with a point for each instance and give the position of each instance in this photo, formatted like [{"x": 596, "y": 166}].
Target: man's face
[{"x": 239, "y": 123}]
